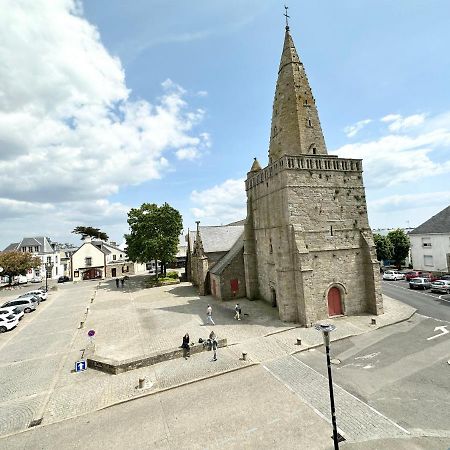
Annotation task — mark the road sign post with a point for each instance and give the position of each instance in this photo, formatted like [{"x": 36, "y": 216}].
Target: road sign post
[{"x": 81, "y": 365}]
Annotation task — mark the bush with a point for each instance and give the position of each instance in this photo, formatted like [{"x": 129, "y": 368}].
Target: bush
[{"x": 172, "y": 274}]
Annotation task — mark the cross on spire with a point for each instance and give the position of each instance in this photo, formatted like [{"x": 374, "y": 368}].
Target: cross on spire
[{"x": 287, "y": 17}]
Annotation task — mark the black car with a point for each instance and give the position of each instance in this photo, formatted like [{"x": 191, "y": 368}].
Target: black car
[{"x": 63, "y": 279}]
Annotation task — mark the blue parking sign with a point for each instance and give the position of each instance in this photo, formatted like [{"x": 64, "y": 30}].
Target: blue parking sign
[{"x": 80, "y": 365}]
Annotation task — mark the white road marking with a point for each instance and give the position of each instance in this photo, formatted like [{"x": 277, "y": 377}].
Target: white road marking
[
  {"x": 370, "y": 356},
  {"x": 443, "y": 330}
]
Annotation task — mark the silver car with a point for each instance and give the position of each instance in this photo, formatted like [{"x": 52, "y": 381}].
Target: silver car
[
  {"x": 420, "y": 283},
  {"x": 27, "y": 296},
  {"x": 441, "y": 286},
  {"x": 23, "y": 304},
  {"x": 42, "y": 295}
]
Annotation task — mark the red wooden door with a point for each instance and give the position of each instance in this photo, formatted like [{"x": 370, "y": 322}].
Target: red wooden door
[
  {"x": 234, "y": 286},
  {"x": 334, "y": 302}
]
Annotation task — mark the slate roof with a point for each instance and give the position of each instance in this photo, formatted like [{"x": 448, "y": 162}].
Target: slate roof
[
  {"x": 43, "y": 242},
  {"x": 239, "y": 222},
  {"x": 440, "y": 223},
  {"x": 11, "y": 247},
  {"x": 228, "y": 258},
  {"x": 217, "y": 238}
]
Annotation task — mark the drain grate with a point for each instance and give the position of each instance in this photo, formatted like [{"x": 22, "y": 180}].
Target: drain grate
[{"x": 35, "y": 422}]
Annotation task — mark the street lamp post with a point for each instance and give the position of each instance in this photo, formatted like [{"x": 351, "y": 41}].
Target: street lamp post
[{"x": 326, "y": 329}]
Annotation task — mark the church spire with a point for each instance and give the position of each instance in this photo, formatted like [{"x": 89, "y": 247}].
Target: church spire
[{"x": 295, "y": 127}]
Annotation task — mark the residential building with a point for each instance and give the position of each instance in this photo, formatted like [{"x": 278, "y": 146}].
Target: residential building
[{"x": 430, "y": 243}]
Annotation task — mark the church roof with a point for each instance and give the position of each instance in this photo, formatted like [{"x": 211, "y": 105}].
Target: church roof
[
  {"x": 217, "y": 238},
  {"x": 296, "y": 128},
  {"x": 439, "y": 223},
  {"x": 227, "y": 259}
]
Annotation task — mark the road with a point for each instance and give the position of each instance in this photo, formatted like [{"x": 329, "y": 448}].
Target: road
[{"x": 427, "y": 303}]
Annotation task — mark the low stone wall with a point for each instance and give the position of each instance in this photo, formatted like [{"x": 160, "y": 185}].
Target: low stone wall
[{"x": 115, "y": 367}]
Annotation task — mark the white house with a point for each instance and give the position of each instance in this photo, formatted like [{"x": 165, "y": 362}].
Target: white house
[
  {"x": 430, "y": 243},
  {"x": 46, "y": 250},
  {"x": 99, "y": 259}
]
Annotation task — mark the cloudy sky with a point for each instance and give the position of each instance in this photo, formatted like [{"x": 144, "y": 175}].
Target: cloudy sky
[{"x": 106, "y": 104}]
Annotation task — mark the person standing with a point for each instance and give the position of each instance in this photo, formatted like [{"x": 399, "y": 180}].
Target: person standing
[
  {"x": 117, "y": 282},
  {"x": 122, "y": 281},
  {"x": 238, "y": 311},
  {"x": 209, "y": 314},
  {"x": 214, "y": 344},
  {"x": 185, "y": 346}
]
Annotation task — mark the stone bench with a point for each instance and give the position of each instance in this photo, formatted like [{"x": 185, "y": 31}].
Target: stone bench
[{"x": 115, "y": 367}]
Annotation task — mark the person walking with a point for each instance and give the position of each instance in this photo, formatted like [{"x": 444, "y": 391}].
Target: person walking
[
  {"x": 214, "y": 344},
  {"x": 117, "y": 282},
  {"x": 238, "y": 312},
  {"x": 186, "y": 347},
  {"x": 209, "y": 315},
  {"x": 122, "y": 281}
]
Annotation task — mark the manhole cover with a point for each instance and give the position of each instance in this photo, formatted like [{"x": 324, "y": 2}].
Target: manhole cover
[{"x": 335, "y": 361}]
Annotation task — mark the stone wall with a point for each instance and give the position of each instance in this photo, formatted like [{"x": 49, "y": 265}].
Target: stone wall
[
  {"x": 122, "y": 269},
  {"x": 311, "y": 233}
]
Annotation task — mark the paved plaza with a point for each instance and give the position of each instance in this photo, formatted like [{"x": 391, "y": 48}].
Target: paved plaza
[{"x": 37, "y": 379}]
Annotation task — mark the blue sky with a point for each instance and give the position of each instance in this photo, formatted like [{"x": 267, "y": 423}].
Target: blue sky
[{"x": 107, "y": 104}]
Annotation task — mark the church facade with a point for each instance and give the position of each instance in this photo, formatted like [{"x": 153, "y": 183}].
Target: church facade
[{"x": 307, "y": 245}]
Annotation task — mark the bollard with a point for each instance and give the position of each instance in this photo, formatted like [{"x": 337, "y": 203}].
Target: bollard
[
  {"x": 244, "y": 356},
  {"x": 141, "y": 383},
  {"x": 92, "y": 300},
  {"x": 374, "y": 322},
  {"x": 299, "y": 341},
  {"x": 81, "y": 325},
  {"x": 87, "y": 309}
]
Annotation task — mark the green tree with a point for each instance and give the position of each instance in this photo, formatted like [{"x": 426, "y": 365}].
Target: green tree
[
  {"x": 154, "y": 234},
  {"x": 400, "y": 246},
  {"x": 383, "y": 246},
  {"x": 90, "y": 231},
  {"x": 17, "y": 263}
]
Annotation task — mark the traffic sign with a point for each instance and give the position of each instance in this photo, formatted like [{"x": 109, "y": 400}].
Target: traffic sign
[{"x": 80, "y": 365}]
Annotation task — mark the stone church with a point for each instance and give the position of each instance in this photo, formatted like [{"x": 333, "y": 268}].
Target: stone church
[{"x": 306, "y": 247}]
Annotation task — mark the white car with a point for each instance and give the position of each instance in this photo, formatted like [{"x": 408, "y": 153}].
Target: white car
[
  {"x": 393, "y": 275},
  {"x": 8, "y": 310},
  {"x": 41, "y": 294},
  {"x": 7, "y": 324},
  {"x": 36, "y": 279}
]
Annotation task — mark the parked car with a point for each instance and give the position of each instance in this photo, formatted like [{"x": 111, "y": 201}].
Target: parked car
[
  {"x": 34, "y": 297},
  {"x": 63, "y": 279},
  {"x": 41, "y": 294},
  {"x": 441, "y": 286},
  {"x": 393, "y": 275},
  {"x": 444, "y": 277},
  {"x": 412, "y": 274},
  {"x": 22, "y": 279},
  {"x": 420, "y": 283},
  {"x": 23, "y": 304},
  {"x": 7, "y": 324},
  {"x": 36, "y": 279},
  {"x": 12, "y": 310}
]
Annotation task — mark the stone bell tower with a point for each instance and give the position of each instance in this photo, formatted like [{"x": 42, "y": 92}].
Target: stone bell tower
[{"x": 308, "y": 246}]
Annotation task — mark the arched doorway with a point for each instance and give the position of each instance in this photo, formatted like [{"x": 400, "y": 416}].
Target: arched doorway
[{"x": 334, "y": 302}]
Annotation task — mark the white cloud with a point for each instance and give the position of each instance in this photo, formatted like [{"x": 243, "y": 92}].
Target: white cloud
[
  {"x": 410, "y": 201},
  {"x": 220, "y": 204},
  {"x": 400, "y": 123},
  {"x": 189, "y": 153},
  {"x": 404, "y": 157},
  {"x": 352, "y": 130},
  {"x": 69, "y": 131}
]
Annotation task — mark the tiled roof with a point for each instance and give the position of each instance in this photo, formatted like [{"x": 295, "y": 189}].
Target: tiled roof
[
  {"x": 12, "y": 247},
  {"x": 217, "y": 239},
  {"x": 228, "y": 258},
  {"x": 440, "y": 223}
]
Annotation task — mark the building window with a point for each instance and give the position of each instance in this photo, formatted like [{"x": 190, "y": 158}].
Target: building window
[
  {"x": 49, "y": 259},
  {"x": 120, "y": 256},
  {"x": 331, "y": 230},
  {"x": 114, "y": 257},
  {"x": 88, "y": 262},
  {"x": 76, "y": 274},
  {"x": 30, "y": 249},
  {"x": 56, "y": 271},
  {"x": 309, "y": 123},
  {"x": 428, "y": 260},
  {"x": 36, "y": 249},
  {"x": 56, "y": 259},
  {"x": 426, "y": 242}
]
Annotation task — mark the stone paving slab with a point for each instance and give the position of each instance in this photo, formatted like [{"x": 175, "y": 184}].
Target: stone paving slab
[
  {"x": 16, "y": 415},
  {"x": 356, "y": 420}
]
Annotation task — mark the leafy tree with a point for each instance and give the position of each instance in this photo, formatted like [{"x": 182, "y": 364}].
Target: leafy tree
[
  {"x": 383, "y": 246},
  {"x": 90, "y": 231},
  {"x": 17, "y": 263},
  {"x": 154, "y": 234},
  {"x": 400, "y": 245}
]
